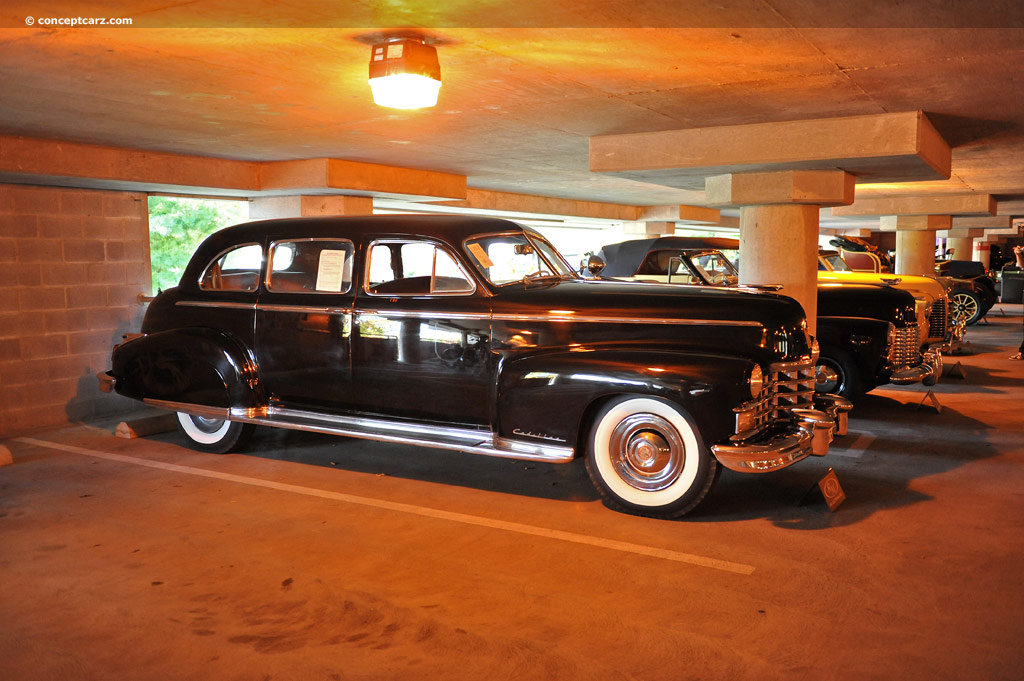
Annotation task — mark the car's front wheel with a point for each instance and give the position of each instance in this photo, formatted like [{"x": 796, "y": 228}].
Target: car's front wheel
[
  {"x": 967, "y": 305},
  {"x": 836, "y": 373},
  {"x": 645, "y": 456},
  {"x": 216, "y": 436}
]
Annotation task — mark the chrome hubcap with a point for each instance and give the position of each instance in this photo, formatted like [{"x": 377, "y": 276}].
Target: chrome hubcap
[
  {"x": 207, "y": 425},
  {"x": 647, "y": 452},
  {"x": 826, "y": 378}
]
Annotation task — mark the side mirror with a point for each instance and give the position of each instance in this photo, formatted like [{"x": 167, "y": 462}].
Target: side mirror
[{"x": 595, "y": 265}]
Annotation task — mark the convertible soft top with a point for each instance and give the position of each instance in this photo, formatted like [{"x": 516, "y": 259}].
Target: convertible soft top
[{"x": 624, "y": 259}]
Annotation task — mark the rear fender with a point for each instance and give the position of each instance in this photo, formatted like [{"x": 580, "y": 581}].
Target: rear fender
[
  {"x": 191, "y": 365},
  {"x": 547, "y": 397}
]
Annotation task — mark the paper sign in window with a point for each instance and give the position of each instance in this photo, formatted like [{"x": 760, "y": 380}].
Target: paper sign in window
[
  {"x": 330, "y": 272},
  {"x": 481, "y": 255}
]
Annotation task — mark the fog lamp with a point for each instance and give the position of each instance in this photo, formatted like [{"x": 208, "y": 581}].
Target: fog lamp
[
  {"x": 404, "y": 74},
  {"x": 756, "y": 381}
]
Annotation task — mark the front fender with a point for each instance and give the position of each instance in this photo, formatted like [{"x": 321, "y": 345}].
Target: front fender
[
  {"x": 191, "y": 365},
  {"x": 865, "y": 339},
  {"x": 548, "y": 397}
]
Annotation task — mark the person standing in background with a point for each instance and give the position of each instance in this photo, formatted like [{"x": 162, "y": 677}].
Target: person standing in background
[{"x": 1018, "y": 252}]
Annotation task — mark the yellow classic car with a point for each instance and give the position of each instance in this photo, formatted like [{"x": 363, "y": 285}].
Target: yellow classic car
[{"x": 939, "y": 329}]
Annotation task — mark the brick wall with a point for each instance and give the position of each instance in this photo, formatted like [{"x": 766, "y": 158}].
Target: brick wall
[{"x": 72, "y": 263}]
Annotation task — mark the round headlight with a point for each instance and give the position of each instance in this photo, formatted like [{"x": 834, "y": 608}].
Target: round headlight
[{"x": 756, "y": 381}]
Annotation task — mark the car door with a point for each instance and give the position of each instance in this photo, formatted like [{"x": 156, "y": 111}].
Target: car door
[
  {"x": 304, "y": 324},
  {"x": 421, "y": 335}
]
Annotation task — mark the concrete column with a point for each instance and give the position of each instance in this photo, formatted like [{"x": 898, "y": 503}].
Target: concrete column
[
  {"x": 915, "y": 241},
  {"x": 270, "y": 207},
  {"x": 982, "y": 252},
  {"x": 963, "y": 247},
  {"x": 779, "y": 226},
  {"x": 779, "y": 245}
]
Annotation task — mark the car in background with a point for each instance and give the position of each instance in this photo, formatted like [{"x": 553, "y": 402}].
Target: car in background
[
  {"x": 973, "y": 291},
  {"x": 940, "y": 328},
  {"x": 475, "y": 335},
  {"x": 869, "y": 335}
]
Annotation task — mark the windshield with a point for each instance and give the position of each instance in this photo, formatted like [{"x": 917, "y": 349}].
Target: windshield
[
  {"x": 715, "y": 268},
  {"x": 519, "y": 256},
  {"x": 836, "y": 262}
]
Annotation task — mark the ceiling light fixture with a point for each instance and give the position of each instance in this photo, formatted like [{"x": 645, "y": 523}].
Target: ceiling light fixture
[{"x": 404, "y": 74}]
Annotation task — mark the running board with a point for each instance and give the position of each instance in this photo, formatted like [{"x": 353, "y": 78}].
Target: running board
[{"x": 384, "y": 430}]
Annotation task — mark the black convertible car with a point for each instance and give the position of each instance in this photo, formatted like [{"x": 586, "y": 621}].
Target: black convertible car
[{"x": 475, "y": 335}]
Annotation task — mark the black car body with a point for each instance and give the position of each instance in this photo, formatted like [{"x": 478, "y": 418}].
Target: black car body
[
  {"x": 869, "y": 335},
  {"x": 475, "y": 335}
]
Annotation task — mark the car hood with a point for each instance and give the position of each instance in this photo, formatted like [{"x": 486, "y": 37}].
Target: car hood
[
  {"x": 873, "y": 302},
  {"x": 636, "y": 300},
  {"x": 920, "y": 287}
]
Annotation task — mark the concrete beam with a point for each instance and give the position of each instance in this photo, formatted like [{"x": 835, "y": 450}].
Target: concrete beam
[
  {"x": 914, "y": 223},
  {"x": 959, "y": 233},
  {"x": 359, "y": 179},
  {"x": 483, "y": 199},
  {"x": 710, "y": 216},
  {"x": 26, "y": 160},
  {"x": 990, "y": 222},
  {"x": 271, "y": 207},
  {"x": 648, "y": 229},
  {"x": 1011, "y": 208},
  {"x": 895, "y": 147},
  {"x": 809, "y": 187},
  {"x": 977, "y": 205}
]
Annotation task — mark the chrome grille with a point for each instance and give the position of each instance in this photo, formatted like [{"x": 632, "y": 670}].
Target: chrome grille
[
  {"x": 938, "y": 322},
  {"x": 786, "y": 386},
  {"x": 906, "y": 347}
]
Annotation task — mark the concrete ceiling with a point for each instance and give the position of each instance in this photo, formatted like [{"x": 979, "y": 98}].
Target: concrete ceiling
[{"x": 287, "y": 80}]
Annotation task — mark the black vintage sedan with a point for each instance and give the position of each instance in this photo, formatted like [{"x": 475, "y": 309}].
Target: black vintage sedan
[
  {"x": 474, "y": 334},
  {"x": 869, "y": 335}
]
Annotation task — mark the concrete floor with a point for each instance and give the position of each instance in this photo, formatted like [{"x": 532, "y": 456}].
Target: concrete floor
[{"x": 324, "y": 558}]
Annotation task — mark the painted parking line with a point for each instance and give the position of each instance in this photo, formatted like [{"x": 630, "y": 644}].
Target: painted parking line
[
  {"x": 855, "y": 449},
  {"x": 465, "y": 519}
]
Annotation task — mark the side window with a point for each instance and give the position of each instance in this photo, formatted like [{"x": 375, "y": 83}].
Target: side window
[
  {"x": 311, "y": 265},
  {"x": 414, "y": 268},
  {"x": 237, "y": 269}
]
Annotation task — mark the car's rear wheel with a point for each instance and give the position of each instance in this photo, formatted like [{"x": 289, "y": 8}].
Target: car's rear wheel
[
  {"x": 967, "y": 305},
  {"x": 216, "y": 436},
  {"x": 645, "y": 456}
]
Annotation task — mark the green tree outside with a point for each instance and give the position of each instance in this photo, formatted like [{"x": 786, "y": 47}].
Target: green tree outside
[{"x": 178, "y": 226}]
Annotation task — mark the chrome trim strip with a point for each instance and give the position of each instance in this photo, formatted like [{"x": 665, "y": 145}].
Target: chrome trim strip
[
  {"x": 417, "y": 314},
  {"x": 187, "y": 408},
  {"x": 384, "y": 430},
  {"x": 216, "y": 303},
  {"x": 303, "y": 308}
]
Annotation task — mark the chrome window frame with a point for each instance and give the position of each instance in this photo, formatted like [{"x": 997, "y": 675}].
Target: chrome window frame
[
  {"x": 433, "y": 270},
  {"x": 528, "y": 237},
  {"x": 269, "y": 257},
  {"x": 263, "y": 261}
]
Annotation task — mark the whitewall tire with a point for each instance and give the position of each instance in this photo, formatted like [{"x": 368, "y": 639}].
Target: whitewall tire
[
  {"x": 646, "y": 456},
  {"x": 216, "y": 436}
]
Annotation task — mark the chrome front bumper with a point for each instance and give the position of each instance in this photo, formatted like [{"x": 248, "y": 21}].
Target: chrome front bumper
[
  {"x": 804, "y": 433},
  {"x": 927, "y": 372}
]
